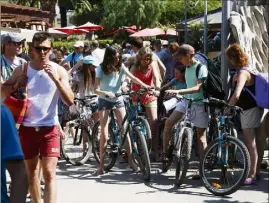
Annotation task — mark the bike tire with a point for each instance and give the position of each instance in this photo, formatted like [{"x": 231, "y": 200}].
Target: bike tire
[
  {"x": 85, "y": 156},
  {"x": 143, "y": 155},
  {"x": 167, "y": 164},
  {"x": 182, "y": 162},
  {"x": 148, "y": 136},
  {"x": 95, "y": 146},
  {"x": 243, "y": 177}
]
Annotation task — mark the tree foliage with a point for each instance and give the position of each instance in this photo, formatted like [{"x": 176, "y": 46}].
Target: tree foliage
[
  {"x": 142, "y": 13},
  {"x": 173, "y": 11}
]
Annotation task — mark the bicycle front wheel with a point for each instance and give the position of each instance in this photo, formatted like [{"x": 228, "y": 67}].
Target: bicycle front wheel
[
  {"x": 145, "y": 129},
  {"x": 182, "y": 162},
  {"x": 142, "y": 154},
  {"x": 221, "y": 173}
]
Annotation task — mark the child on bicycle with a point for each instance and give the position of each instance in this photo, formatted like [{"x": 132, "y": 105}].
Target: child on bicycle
[
  {"x": 194, "y": 91},
  {"x": 109, "y": 77},
  {"x": 144, "y": 70},
  {"x": 178, "y": 82}
]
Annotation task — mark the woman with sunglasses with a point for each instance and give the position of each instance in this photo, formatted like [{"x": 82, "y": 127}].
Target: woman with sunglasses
[
  {"x": 144, "y": 70},
  {"x": 109, "y": 77}
]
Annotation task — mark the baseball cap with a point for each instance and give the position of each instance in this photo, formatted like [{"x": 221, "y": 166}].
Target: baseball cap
[
  {"x": 89, "y": 60},
  {"x": 79, "y": 44},
  {"x": 12, "y": 37},
  {"x": 184, "y": 50}
]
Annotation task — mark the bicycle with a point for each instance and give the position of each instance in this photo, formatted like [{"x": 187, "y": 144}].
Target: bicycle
[
  {"x": 76, "y": 144},
  {"x": 180, "y": 147},
  {"x": 115, "y": 144},
  {"x": 221, "y": 156}
]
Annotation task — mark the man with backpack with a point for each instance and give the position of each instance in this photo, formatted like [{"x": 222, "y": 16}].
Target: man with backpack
[
  {"x": 74, "y": 56},
  {"x": 194, "y": 91}
]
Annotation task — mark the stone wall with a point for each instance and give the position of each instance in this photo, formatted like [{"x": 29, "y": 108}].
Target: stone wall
[{"x": 249, "y": 28}]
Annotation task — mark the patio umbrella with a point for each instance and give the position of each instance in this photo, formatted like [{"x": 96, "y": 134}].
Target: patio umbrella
[
  {"x": 56, "y": 33},
  {"x": 70, "y": 30},
  {"x": 153, "y": 32},
  {"x": 147, "y": 32},
  {"x": 90, "y": 27}
]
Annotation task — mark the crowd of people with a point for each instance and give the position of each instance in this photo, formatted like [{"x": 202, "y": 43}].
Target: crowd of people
[{"x": 54, "y": 77}]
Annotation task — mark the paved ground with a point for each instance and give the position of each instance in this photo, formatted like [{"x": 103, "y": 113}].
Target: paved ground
[{"x": 77, "y": 185}]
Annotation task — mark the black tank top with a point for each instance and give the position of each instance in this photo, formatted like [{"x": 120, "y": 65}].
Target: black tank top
[{"x": 246, "y": 101}]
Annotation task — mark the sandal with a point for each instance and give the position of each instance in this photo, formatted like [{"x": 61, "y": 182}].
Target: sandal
[
  {"x": 250, "y": 181},
  {"x": 98, "y": 172},
  {"x": 134, "y": 167}
]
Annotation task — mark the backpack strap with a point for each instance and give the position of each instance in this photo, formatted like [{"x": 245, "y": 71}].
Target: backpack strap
[
  {"x": 25, "y": 68},
  {"x": 198, "y": 69}
]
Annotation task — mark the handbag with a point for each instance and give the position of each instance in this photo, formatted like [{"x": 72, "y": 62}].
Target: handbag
[
  {"x": 16, "y": 102},
  {"x": 70, "y": 112}
]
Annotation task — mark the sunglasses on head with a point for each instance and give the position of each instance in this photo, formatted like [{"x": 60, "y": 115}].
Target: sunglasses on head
[{"x": 45, "y": 49}]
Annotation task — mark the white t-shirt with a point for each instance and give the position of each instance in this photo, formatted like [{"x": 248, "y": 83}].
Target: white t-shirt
[
  {"x": 78, "y": 77},
  {"x": 7, "y": 66}
]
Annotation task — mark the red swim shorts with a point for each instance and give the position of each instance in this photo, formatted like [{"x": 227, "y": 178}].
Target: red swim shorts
[{"x": 40, "y": 141}]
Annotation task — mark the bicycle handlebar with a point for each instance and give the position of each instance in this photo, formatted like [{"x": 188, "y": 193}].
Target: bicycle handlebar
[
  {"x": 85, "y": 98},
  {"x": 222, "y": 102}
]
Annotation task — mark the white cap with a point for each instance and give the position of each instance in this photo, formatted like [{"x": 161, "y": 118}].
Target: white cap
[{"x": 79, "y": 44}]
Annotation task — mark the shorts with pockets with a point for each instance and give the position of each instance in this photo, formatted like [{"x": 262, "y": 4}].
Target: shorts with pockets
[{"x": 198, "y": 116}]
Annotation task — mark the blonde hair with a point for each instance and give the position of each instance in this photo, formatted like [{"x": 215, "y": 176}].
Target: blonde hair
[{"x": 144, "y": 51}]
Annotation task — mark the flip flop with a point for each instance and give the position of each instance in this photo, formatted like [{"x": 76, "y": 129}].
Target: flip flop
[{"x": 250, "y": 181}]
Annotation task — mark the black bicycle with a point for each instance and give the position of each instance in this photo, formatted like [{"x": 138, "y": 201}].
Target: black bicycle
[{"x": 76, "y": 145}]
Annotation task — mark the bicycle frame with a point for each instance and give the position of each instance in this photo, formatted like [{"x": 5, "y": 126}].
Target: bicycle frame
[{"x": 130, "y": 118}]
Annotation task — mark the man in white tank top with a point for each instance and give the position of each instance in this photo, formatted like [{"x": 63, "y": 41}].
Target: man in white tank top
[{"x": 39, "y": 134}]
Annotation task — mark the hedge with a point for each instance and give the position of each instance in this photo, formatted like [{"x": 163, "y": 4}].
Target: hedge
[{"x": 69, "y": 44}]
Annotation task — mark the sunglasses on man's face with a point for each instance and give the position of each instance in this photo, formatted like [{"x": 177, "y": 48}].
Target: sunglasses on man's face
[
  {"x": 16, "y": 43},
  {"x": 44, "y": 49}
]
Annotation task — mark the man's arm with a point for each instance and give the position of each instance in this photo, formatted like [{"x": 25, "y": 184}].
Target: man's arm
[
  {"x": 19, "y": 189},
  {"x": 63, "y": 87}
]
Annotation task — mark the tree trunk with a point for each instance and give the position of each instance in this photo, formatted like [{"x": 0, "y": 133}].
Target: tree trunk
[
  {"x": 49, "y": 5},
  {"x": 63, "y": 16}
]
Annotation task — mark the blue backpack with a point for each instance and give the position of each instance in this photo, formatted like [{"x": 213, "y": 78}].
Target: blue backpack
[{"x": 261, "y": 88}]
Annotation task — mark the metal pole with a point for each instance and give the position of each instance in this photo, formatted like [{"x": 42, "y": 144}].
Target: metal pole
[
  {"x": 226, "y": 7},
  {"x": 185, "y": 25},
  {"x": 205, "y": 27}
]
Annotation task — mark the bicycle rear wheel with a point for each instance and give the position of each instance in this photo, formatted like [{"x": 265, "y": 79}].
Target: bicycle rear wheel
[
  {"x": 142, "y": 154},
  {"x": 111, "y": 153},
  {"x": 76, "y": 144},
  {"x": 182, "y": 162},
  {"x": 224, "y": 179}
]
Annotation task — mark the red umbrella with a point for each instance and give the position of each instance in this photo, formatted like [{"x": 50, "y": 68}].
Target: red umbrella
[
  {"x": 71, "y": 30},
  {"x": 90, "y": 27}
]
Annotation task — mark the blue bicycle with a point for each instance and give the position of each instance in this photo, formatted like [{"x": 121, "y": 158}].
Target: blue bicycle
[
  {"x": 139, "y": 135},
  {"x": 225, "y": 164}
]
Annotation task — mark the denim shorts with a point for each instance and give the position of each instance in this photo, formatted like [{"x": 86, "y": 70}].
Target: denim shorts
[{"x": 108, "y": 105}]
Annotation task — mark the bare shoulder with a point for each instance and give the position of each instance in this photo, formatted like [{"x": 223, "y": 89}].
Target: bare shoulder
[{"x": 60, "y": 69}]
